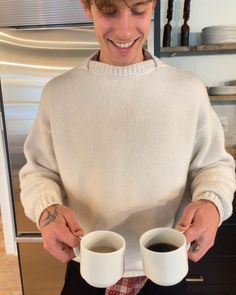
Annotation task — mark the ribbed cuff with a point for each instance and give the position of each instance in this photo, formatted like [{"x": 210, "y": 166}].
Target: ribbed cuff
[
  {"x": 45, "y": 201},
  {"x": 210, "y": 196}
]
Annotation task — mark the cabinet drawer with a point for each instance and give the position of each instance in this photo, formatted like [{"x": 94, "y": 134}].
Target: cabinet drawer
[
  {"x": 213, "y": 271},
  {"x": 210, "y": 290}
]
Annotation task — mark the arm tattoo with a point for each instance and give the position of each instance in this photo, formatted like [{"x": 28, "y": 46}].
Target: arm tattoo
[{"x": 51, "y": 217}]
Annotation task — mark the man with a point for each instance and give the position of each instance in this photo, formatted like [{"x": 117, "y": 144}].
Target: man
[{"x": 117, "y": 143}]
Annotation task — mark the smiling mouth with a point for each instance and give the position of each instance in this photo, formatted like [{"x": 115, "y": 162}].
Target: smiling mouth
[{"x": 123, "y": 45}]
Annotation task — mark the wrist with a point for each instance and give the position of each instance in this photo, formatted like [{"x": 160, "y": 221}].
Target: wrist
[
  {"x": 212, "y": 204},
  {"x": 216, "y": 201},
  {"x": 46, "y": 213}
]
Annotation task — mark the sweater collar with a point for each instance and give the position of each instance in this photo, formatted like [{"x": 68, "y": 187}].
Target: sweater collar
[{"x": 102, "y": 69}]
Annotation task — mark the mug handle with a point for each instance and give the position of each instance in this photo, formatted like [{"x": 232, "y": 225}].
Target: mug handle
[
  {"x": 188, "y": 245},
  {"x": 77, "y": 251}
]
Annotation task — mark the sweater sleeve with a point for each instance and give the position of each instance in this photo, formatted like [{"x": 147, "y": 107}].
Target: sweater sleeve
[
  {"x": 39, "y": 178},
  {"x": 212, "y": 169}
]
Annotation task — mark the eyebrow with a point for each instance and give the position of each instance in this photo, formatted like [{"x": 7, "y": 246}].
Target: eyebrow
[
  {"x": 131, "y": 6},
  {"x": 141, "y": 3}
]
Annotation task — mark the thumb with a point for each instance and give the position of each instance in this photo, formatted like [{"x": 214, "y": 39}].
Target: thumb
[{"x": 187, "y": 218}]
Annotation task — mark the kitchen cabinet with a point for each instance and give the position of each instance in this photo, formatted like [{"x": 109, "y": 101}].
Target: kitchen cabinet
[{"x": 215, "y": 272}]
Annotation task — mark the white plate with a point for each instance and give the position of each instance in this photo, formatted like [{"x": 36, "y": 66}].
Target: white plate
[
  {"x": 230, "y": 83},
  {"x": 219, "y": 28},
  {"x": 218, "y": 34},
  {"x": 218, "y": 40}
]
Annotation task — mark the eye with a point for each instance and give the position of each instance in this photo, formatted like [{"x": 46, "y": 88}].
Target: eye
[{"x": 138, "y": 11}]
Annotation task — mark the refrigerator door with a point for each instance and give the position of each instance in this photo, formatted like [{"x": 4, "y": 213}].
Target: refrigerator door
[{"x": 28, "y": 60}]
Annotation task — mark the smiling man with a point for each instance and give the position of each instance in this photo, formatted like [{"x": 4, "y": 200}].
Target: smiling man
[
  {"x": 117, "y": 143},
  {"x": 122, "y": 28}
]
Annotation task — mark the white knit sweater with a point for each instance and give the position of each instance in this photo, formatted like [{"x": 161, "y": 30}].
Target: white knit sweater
[{"x": 121, "y": 145}]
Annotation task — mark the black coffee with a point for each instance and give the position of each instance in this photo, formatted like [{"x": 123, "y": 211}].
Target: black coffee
[{"x": 162, "y": 247}]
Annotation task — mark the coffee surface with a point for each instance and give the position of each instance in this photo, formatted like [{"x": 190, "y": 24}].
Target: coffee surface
[
  {"x": 162, "y": 247},
  {"x": 103, "y": 249}
]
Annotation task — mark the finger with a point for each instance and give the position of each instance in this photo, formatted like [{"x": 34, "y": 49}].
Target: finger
[
  {"x": 68, "y": 238},
  {"x": 197, "y": 250},
  {"x": 62, "y": 252},
  {"x": 187, "y": 218},
  {"x": 78, "y": 233},
  {"x": 198, "y": 239},
  {"x": 72, "y": 223},
  {"x": 182, "y": 227},
  {"x": 194, "y": 232},
  {"x": 59, "y": 250}
]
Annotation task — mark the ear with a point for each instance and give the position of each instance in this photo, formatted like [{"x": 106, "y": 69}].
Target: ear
[{"x": 87, "y": 9}]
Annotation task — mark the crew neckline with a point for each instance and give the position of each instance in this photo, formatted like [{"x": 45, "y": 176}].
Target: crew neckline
[{"x": 107, "y": 70}]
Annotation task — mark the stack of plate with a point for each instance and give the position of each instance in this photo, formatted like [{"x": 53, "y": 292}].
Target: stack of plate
[
  {"x": 219, "y": 35},
  {"x": 222, "y": 90},
  {"x": 231, "y": 83}
]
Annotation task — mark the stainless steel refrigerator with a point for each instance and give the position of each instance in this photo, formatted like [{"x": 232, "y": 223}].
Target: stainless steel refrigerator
[{"x": 38, "y": 40}]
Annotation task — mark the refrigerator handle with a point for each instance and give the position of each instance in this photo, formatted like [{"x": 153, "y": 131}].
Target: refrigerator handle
[
  {"x": 1, "y": 123},
  {"x": 29, "y": 238},
  {"x": 2, "y": 132}
]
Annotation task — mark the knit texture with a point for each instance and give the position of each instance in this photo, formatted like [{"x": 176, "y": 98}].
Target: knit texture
[{"x": 119, "y": 145}]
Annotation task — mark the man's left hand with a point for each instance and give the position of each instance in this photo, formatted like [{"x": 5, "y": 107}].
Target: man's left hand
[{"x": 199, "y": 223}]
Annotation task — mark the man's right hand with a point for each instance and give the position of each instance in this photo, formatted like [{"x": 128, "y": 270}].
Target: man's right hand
[{"x": 61, "y": 232}]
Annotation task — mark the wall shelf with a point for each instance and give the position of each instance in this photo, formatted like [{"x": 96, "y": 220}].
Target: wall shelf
[
  {"x": 198, "y": 50},
  {"x": 221, "y": 98}
]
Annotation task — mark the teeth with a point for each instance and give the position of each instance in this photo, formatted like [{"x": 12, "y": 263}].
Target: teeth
[{"x": 124, "y": 45}]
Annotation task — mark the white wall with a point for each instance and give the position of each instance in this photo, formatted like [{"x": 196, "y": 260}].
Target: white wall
[
  {"x": 214, "y": 70},
  {"x": 203, "y": 13}
]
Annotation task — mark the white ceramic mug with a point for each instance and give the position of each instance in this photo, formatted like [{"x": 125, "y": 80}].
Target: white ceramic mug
[
  {"x": 101, "y": 256},
  {"x": 164, "y": 268}
]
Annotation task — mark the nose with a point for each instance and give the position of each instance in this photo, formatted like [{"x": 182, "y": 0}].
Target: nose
[{"x": 124, "y": 26}]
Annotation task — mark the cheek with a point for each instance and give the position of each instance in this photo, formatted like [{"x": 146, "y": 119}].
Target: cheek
[
  {"x": 144, "y": 26},
  {"x": 102, "y": 28}
]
